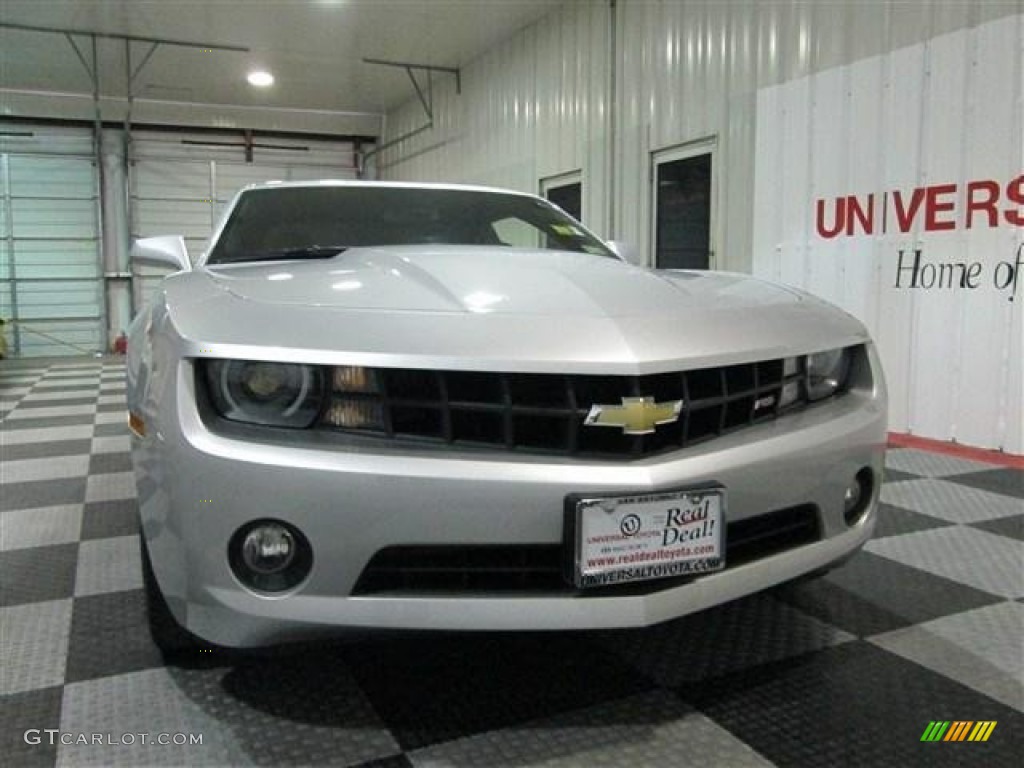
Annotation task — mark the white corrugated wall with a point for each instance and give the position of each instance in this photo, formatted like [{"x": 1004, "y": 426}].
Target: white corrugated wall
[
  {"x": 939, "y": 121},
  {"x": 544, "y": 103},
  {"x": 180, "y": 183},
  {"x": 534, "y": 107},
  {"x": 51, "y": 281}
]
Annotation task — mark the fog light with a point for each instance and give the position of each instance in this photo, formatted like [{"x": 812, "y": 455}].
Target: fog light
[
  {"x": 269, "y": 555},
  {"x": 268, "y": 548},
  {"x": 857, "y": 496}
]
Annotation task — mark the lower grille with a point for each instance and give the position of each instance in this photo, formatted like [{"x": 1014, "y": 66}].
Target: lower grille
[
  {"x": 538, "y": 568},
  {"x": 486, "y": 568}
]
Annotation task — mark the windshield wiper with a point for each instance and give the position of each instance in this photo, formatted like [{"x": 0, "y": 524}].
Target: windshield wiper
[{"x": 305, "y": 252}]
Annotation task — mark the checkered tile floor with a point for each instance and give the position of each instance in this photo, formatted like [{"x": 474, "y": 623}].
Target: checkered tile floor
[{"x": 925, "y": 624}]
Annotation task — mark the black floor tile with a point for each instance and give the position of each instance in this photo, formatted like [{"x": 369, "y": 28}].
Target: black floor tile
[
  {"x": 38, "y": 573},
  {"x": 1009, "y": 482},
  {"x": 896, "y": 476},
  {"x": 64, "y": 402},
  {"x": 72, "y": 390},
  {"x": 855, "y": 705},
  {"x": 55, "y": 421},
  {"x": 45, "y": 450},
  {"x": 107, "y": 519},
  {"x": 110, "y": 636},
  {"x": 443, "y": 687},
  {"x": 870, "y": 594},
  {"x": 56, "y": 375},
  {"x": 395, "y": 761},
  {"x": 24, "y": 719},
  {"x": 743, "y": 633},
  {"x": 893, "y": 521},
  {"x": 110, "y": 407},
  {"x": 288, "y": 708},
  {"x": 102, "y": 463},
  {"x": 111, "y": 430},
  {"x": 42, "y": 493},
  {"x": 1012, "y": 526}
]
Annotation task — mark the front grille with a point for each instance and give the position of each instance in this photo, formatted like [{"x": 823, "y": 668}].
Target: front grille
[
  {"x": 539, "y": 568},
  {"x": 545, "y": 413}
]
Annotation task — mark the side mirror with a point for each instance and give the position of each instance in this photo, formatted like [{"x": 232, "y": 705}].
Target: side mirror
[
  {"x": 163, "y": 251},
  {"x": 626, "y": 251}
]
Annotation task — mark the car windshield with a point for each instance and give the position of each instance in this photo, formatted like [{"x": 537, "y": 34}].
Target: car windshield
[{"x": 319, "y": 222}]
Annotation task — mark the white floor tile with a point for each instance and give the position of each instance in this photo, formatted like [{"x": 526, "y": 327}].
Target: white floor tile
[
  {"x": 108, "y": 565},
  {"x": 982, "y": 560},
  {"x": 23, "y": 528}
]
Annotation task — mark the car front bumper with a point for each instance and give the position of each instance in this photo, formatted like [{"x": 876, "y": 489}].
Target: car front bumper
[{"x": 197, "y": 487}]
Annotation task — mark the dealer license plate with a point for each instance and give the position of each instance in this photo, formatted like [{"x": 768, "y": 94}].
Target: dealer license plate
[{"x": 636, "y": 538}]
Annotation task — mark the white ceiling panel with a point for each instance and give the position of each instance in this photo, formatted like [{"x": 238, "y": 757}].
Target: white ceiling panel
[{"x": 314, "y": 48}]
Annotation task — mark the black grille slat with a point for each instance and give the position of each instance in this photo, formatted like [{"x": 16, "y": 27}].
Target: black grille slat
[
  {"x": 545, "y": 413},
  {"x": 723, "y": 408},
  {"x": 446, "y": 409},
  {"x": 508, "y": 424},
  {"x": 389, "y": 427},
  {"x": 538, "y": 568},
  {"x": 572, "y": 431}
]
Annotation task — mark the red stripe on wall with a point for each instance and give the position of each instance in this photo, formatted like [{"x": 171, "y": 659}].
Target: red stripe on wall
[{"x": 1011, "y": 460}]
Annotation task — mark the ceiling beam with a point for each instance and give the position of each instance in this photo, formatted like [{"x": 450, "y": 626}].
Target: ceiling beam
[
  {"x": 131, "y": 74},
  {"x": 427, "y": 99},
  {"x": 130, "y": 38}
]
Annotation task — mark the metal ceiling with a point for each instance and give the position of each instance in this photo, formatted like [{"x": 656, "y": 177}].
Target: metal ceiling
[{"x": 314, "y": 48}]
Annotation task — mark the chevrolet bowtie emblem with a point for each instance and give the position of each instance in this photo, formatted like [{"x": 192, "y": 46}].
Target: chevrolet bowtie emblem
[{"x": 636, "y": 415}]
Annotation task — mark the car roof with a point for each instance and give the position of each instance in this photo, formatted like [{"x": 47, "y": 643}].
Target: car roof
[{"x": 310, "y": 184}]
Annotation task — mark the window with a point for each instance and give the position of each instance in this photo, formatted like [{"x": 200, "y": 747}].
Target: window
[
  {"x": 565, "y": 191},
  {"x": 516, "y": 232},
  {"x": 683, "y": 207},
  {"x": 269, "y": 222}
]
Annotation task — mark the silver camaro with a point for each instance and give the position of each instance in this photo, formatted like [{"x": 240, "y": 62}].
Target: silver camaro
[{"x": 375, "y": 405}]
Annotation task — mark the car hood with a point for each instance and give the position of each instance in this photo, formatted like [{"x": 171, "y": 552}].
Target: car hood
[
  {"x": 485, "y": 280},
  {"x": 494, "y": 309}
]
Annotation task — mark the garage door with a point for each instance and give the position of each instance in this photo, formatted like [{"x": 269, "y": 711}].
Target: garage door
[
  {"x": 50, "y": 280},
  {"x": 180, "y": 183}
]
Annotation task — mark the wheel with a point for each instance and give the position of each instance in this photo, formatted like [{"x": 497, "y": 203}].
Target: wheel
[{"x": 168, "y": 635}]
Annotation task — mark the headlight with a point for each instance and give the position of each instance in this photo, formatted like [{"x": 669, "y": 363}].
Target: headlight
[
  {"x": 827, "y": 372},
  {"x": 275, "y": 394}
]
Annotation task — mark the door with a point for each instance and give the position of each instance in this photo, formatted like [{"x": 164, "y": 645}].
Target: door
[
  {"x": 565, "y": 191},
  {"x": 51, "y": 282},
  {"x": 684, "y": 207}
]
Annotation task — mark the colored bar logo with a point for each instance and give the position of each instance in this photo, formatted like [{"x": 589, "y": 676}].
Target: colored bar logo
[{"x": 958, "y": 730}]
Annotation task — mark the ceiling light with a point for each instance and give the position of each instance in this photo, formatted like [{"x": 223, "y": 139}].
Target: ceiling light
[{"x": 260, "y": 78}]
